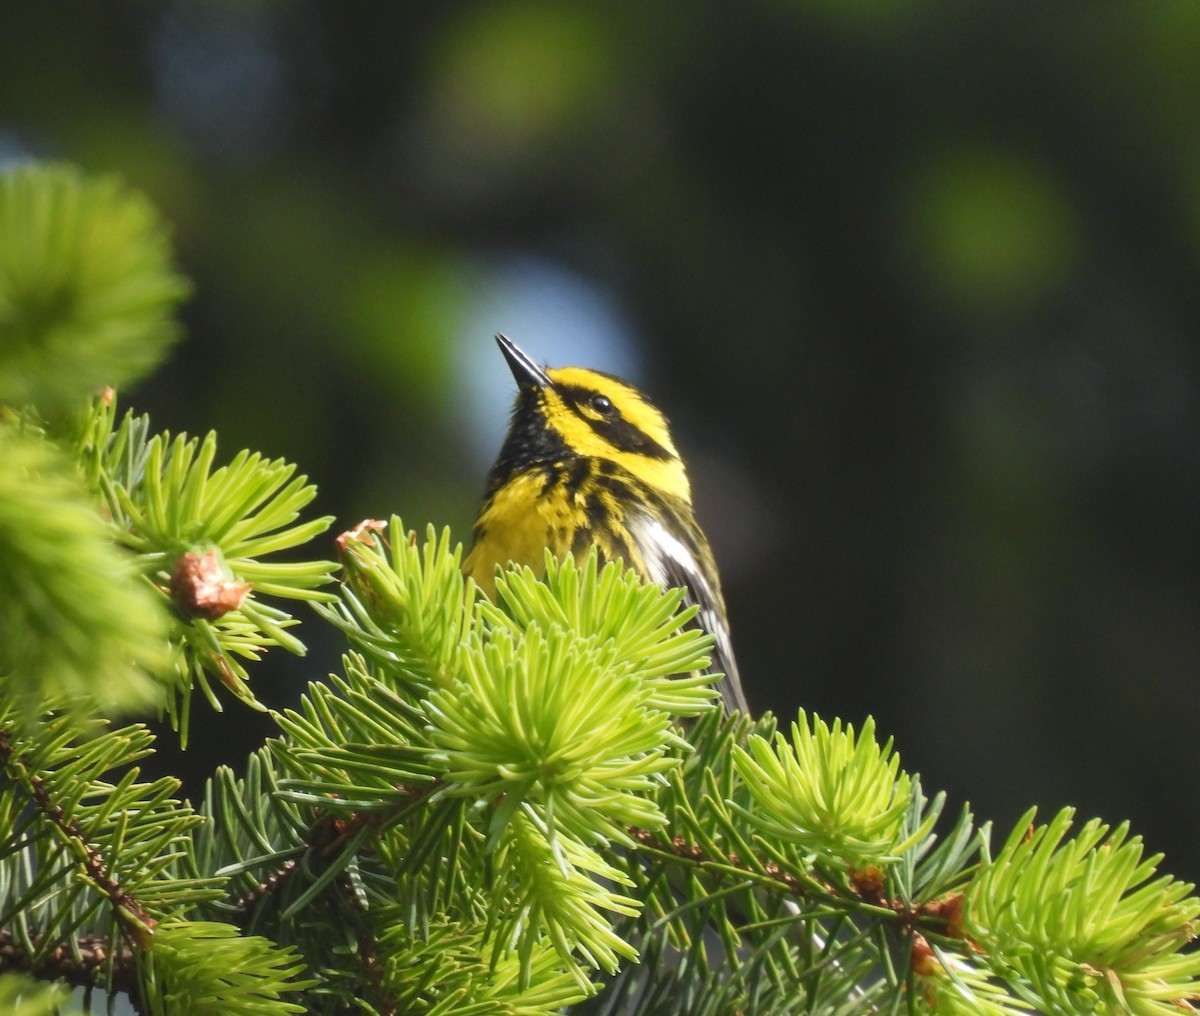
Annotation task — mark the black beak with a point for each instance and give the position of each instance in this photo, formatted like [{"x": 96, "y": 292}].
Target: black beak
[{"x": 527, "y": 373}]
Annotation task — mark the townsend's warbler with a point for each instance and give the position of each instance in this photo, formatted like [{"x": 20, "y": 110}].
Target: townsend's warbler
[{"x": 588, "y": 460}]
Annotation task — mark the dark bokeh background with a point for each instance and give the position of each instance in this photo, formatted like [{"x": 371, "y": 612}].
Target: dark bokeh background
[{"x": 918, "y": 283}]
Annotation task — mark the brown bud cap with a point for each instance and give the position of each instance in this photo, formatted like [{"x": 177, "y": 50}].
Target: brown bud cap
[
  {"x": 201, "y": 588},
  {"x": 924, "y": 962},
  {"x": 362, "y": 533}
]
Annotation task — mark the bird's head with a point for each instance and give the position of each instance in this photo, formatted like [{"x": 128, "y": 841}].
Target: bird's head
[{"x": 592, "y": 415}]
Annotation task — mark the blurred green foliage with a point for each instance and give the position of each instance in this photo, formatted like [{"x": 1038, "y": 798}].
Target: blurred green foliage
[{"x": 916, "y": 283}]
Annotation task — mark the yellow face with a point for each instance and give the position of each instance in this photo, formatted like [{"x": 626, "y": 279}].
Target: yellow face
[{"x": 601, "y": 417}]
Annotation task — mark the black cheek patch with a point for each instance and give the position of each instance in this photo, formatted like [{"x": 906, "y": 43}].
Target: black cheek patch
[
  {"x": 613, "y": 427},
  {"x": 622, "y": 434}
]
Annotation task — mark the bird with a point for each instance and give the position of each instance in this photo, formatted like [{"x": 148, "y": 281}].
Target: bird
[{"x": 589, "y": 461}]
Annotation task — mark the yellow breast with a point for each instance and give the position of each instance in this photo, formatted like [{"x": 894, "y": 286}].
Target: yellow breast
[{"x": 517, "y": 525}]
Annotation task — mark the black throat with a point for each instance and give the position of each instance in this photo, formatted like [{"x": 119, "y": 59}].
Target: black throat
[{"x": 530, "y": 444}]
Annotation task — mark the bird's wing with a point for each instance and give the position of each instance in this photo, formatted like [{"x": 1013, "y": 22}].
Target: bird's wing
[{"x": 677, "y": 560}]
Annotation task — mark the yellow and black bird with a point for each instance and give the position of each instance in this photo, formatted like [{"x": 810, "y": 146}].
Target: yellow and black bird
[{"x": 588, "y": 460}]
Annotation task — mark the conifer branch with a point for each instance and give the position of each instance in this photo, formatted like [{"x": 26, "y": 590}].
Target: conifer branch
[
  {"x": 524, "y": 806},
  {"x": 132, "y": 917},
  {"x": 82, "y": 963},
  {"x": 200, "y": 533}
]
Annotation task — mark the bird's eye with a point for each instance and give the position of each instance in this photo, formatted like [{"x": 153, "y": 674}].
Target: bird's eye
[{"x": 602, "y": 404}]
